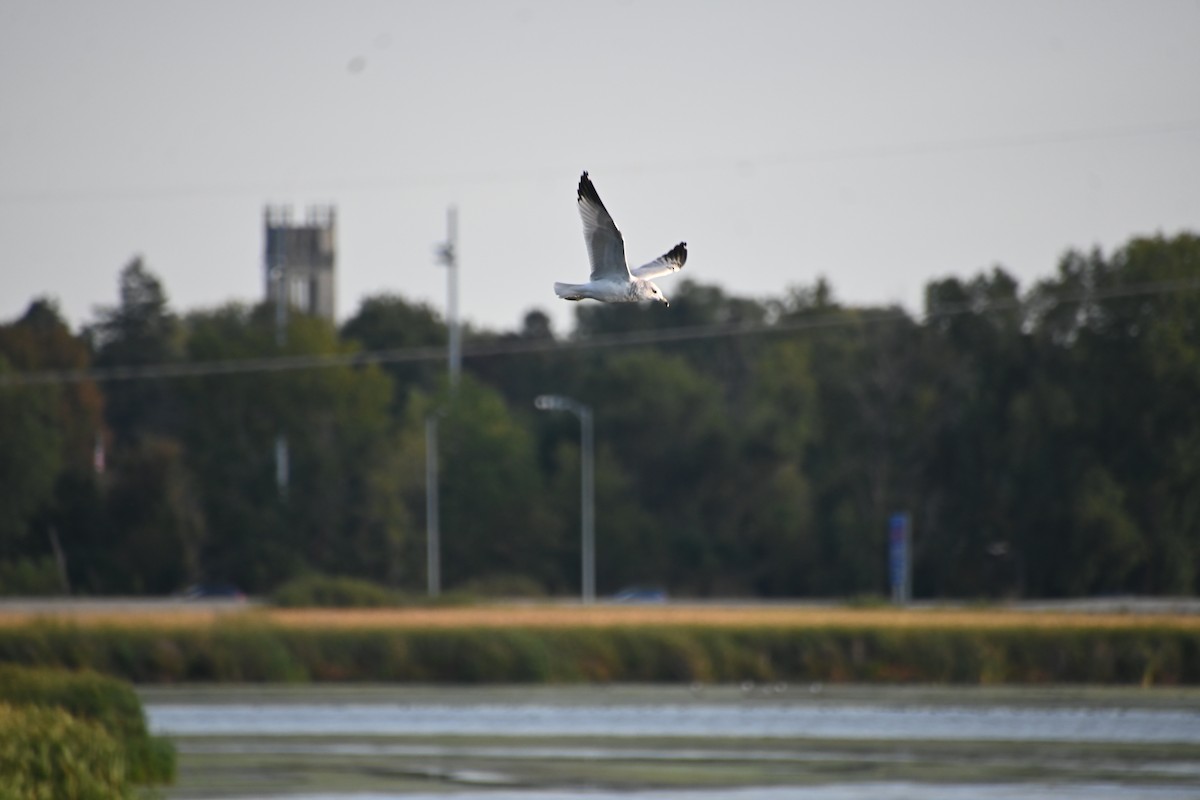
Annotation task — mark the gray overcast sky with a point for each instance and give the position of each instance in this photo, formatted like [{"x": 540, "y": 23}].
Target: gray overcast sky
[{"x": 881, "y": 144}]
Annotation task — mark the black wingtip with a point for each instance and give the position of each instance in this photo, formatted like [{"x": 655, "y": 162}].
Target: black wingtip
[
  {"x": 586, "y": 189},
  {"x": 678, "y": 254}
]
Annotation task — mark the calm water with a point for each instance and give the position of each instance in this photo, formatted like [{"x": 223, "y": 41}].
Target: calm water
[
  {"x": 672, "y": 743},
  {"x": 851, "y": 791},
  {"x": 787, "y": 720}
]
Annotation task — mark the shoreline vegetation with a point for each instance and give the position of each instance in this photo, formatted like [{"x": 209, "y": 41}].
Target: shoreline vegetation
[
  {"x": 76, "y": 734},
  {"x": 549, "y": 643}
]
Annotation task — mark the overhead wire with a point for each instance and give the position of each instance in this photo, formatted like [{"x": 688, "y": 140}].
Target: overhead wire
[
  {"x": 839, "y": 317},
  {"x": 929, "y": 147}
]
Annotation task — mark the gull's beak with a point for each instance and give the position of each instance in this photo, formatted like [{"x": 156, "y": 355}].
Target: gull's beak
[{"x": 666, "y": 302}]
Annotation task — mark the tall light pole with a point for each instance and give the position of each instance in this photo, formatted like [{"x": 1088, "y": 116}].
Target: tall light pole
[
  {"x": 587, "y": 484},
  {"x": 279, "y": 274},
  {"x": 279, "y": 278}
]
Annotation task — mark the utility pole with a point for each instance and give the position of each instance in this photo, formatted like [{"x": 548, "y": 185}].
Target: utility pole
[
  {"x": 448, "y": 257},
  {"x": 587, "y": 504},
  {"x": 433, "y": 567},
  {"x": 447, "y": 254}
]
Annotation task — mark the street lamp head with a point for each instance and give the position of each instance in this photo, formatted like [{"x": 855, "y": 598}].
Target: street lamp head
[{"x": 550, "y": 402}]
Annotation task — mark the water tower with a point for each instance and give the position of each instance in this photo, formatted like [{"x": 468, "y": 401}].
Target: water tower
[{"x": 300, "y": 258}]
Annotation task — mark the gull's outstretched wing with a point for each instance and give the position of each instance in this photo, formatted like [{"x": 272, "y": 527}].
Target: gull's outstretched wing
[
  {"x": 671, "y": 261},
  {"x": 606, "y": 248}
]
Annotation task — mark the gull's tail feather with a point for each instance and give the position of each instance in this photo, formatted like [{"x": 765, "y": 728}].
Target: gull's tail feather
[{"x": 568, "y": 291}]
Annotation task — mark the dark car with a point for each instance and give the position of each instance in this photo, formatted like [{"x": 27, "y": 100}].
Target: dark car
[
  {"x": 213, "y": 591},
  {"x": 641, "y": 594}
]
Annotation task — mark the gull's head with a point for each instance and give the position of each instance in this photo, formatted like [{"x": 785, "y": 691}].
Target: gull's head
[{"x": 655, "y": 294}]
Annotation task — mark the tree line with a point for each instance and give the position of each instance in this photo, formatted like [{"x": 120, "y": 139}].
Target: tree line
[{"x": 1046, "y": 442}]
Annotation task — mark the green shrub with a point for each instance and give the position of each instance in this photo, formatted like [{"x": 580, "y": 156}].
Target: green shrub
[
  {"x": 30, "y": 576},
  {"x": 502, "y": 584},
  {"x": 47, "y": 754},
  {"x": 107, "y": 702},
  {"x": 329, "y": 591},
  {"x": 868, "y": 600}
]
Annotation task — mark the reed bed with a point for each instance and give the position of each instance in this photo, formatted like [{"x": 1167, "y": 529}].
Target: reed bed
[
  {"x": 563, "y": 616},
  {"x": 705, "y": 616},
  {"x": 561, "y": 643}
]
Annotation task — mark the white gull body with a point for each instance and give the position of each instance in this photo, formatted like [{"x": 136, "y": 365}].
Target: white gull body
[{"x": 612, "y": 280}]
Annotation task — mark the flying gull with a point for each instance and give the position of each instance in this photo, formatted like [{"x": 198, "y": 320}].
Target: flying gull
[{"x": 612, "y": 279}]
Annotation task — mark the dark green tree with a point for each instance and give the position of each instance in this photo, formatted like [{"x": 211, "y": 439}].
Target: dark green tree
[
  {"x": 49, "y": 434},
  {"x": 30, "y": 458},
  {"x": 980, "y": 357},
  {"x": 495, "y": 521},
  {"x": 139, "y": 331},
  {"x": 666, "y": 425},
  {"x": 155, "y": 525},
  {"x": 337, "y": 513},
  {"x": 389, "y": 323}
]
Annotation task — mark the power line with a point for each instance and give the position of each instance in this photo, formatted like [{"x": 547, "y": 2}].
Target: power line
[
  {"x": 409, "y": 355},
  {"x": 409, "y": 180}
]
